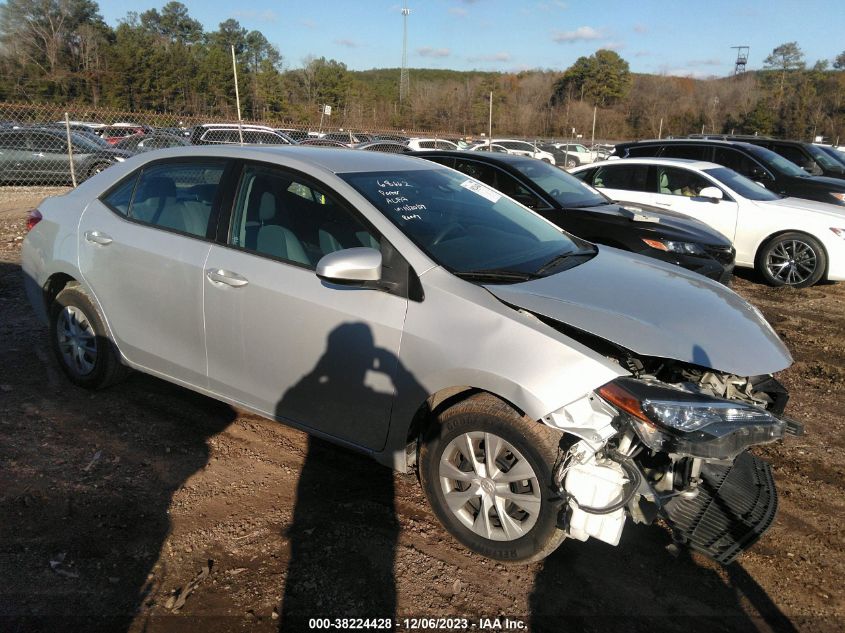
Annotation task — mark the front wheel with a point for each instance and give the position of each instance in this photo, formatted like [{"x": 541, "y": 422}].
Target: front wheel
[
  {"x": 571, "y": 162},
  {"x": 487, "y": 473},
  {"x": 792, "y": 259}
]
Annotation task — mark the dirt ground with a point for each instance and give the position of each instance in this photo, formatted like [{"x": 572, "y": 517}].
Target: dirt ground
[{"x": 147, "y": 507}]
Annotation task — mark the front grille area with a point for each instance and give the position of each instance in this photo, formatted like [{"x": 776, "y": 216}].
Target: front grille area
[
  {"x": 725, "y": 255},
  {"x": 734, "y": 508}
]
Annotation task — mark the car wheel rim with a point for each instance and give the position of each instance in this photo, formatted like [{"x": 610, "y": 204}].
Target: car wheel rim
[
  {"x": 489, "y": 486},
  {"x": 791, "y": 262},
  {"x": 77, "y": 341}
]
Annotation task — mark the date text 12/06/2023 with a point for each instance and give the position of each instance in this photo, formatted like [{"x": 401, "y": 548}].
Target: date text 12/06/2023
[{"x": 455, "y": 624}]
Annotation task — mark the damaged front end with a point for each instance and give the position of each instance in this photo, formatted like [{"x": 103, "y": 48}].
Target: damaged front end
[{"x": 671, "y": 441}]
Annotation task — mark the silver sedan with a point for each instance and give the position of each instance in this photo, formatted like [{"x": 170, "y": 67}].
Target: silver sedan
[{"x": 544, "y": 387}]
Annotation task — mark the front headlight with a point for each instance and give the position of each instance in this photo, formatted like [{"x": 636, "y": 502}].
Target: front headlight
[
  {"x": 840, "y": 196},
  {"x": 675, "y": 421},
  {"x": 683, "y": 248}
]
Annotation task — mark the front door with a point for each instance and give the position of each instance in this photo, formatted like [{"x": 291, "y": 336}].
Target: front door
[{"x": 280, "y": 340}]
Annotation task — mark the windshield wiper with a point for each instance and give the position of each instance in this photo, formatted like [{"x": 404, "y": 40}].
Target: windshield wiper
[
  {"x": 557, "y": 259},
  {"x": 495, "y": 275}
]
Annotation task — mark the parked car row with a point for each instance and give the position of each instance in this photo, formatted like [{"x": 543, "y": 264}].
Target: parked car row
[{"x": 545, "y": 387}]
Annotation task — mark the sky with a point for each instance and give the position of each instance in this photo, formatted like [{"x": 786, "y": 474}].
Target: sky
[{"x": 674, "y": 37}]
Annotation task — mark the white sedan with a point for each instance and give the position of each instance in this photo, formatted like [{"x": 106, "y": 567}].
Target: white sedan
[
  {"x": 790, "y": 241},
  {"x": 517, "y": 148}
]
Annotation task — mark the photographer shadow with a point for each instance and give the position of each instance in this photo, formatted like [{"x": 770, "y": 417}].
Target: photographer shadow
[{"x": 344, "y": 532}]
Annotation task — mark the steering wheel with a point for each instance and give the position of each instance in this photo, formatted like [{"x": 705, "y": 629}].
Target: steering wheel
[{"x": 450, "y": 228}]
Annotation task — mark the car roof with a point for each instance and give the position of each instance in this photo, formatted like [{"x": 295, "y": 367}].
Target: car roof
[
  {"x": 647, "y": 160},
  {"x": 491, "y": 157},
  {"x": 335, "y": 160}
]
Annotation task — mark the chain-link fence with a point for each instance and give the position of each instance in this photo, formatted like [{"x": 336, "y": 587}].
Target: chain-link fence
[{"x": 54, "y": 146}]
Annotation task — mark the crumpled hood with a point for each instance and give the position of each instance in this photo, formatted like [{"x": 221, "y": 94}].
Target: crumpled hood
[{"x": 655, "y": 309}]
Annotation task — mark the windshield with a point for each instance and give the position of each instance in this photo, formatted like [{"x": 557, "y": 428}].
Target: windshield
[
  {"x": 566, "y": 189},
  {"x": 838, "y": 156},
  {"x": 463, "y": 224},
  {"x": 743, "y": 186},
  {"x": 826, "y": 161},
  {"x": 776, "y": 162}
]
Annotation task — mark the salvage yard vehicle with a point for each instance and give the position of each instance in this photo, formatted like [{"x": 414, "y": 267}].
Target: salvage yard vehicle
[
  {"x": 790, "y": 241},
  {"x": 544, "y": 387},
  {"x": 583, "y": 211}
]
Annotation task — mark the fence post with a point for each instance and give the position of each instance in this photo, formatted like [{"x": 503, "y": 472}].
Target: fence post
[
  {"x": 70, "y": 150},
  {"x": 237, "y": 96}
]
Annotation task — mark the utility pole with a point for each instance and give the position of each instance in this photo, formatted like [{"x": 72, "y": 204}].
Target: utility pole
[{"x": 404, "y": 80}]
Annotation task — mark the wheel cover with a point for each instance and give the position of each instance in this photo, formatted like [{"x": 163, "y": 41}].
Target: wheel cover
[
  {"x": 77, "y": 341},
  {"x": 791, "y": 262},
  {"x": 489, "y": 486}
]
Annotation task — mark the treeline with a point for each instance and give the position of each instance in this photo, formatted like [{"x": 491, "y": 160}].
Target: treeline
[{"x": 63, "y": 52}]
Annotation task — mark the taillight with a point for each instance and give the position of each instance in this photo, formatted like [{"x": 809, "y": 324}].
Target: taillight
[{"x": 33, "y": 218}]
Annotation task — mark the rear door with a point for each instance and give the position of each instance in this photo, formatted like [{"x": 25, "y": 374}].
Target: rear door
[
  {"x": 623, "y": 182},
  {"x": 142, "y": 251}
]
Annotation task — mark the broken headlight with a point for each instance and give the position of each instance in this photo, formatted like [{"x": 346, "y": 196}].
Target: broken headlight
[{"x": 675, "y": 421}]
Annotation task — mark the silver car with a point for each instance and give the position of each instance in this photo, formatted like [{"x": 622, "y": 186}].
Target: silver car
[{"x": 543, "y": 387}]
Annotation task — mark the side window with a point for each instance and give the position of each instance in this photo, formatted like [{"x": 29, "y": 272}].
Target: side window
[
  {"x": 510, "y": 186},
  {"x": 282, "y": 215},
  {"x": 680, "y": 182},
  {"x": 638, "y": 151},
  {"x": 798, "y": 157},
  {"x": 120, "y": 198},
  {"x": 586, "y": 176},
  {"x": 177, "y": 196},
  {"x": 737, "y": 161},
  {"x": 12, "y": 140},
  {"x": 427, "y": 144},
  {"x": 48, "y": 143},
  {"x": 445, "y": 145},
  {"x": 479, "y": 171},
  {"x": 222, "y": 136},
  {"x": 625, "y": 177},
  {"x": 695, "y": 152}
]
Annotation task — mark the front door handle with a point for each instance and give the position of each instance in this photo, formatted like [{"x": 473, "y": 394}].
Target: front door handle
[
  {"x": 98, "y": 237},
  {"x": 220, "y": 276},
  {"x": 663, "y": 204}
]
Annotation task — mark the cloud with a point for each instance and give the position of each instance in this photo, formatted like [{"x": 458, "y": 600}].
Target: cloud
[
  {"x": 613, "y": 45},
  {"x": 308, "y": 24},
  {"x": 428, "y": 51},
  {"x": 458, "y": 11},
  {"x": 263, "y": 16},
  {"x": 346, "y": 42},
  {"x": 684, "y": 72},
  {"x": 581, "y": 34},
  {"x": 640, "y": 28},
  {"x": 495, "y": 57},
  {"x": 704, "y": 62}
]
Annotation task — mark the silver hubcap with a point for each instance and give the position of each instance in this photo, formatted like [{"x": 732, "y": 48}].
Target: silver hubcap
[
  {"x": 489, "y": 486},
  {"x": 77, "y": 342},
  {"x": 792, "y": 262}
]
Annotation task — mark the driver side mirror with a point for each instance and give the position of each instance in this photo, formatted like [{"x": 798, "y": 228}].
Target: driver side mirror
[
  {"x": 714, "y": 194},
  {"x": 350, "y": 266}
]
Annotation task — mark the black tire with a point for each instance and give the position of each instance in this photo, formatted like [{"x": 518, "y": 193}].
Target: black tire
[
  {"x": 538, "y": 446},
  {"x": 792, "y": 259},
  {"x": 89, "y": 370},
  {"x": 572, "y": 162},
  {"x": 96, "y": 168}
]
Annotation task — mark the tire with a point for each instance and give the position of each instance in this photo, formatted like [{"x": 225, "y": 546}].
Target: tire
[
  {"x": 530, "y": 532},
  {"x": 792, "y": 259},
  {"x": 571, "y": 162},
  {"x": 79, "y": 341},
  {"x": 96, "y": 168}
]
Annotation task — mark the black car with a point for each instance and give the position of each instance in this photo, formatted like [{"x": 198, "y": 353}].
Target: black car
[
  {"x": 39, "y": 155},
  {"x": 586, "y": 213},
  {"x": 762, "y": 165},
  {"x": 811, "y": 158}
]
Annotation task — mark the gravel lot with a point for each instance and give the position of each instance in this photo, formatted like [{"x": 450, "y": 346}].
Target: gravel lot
[{"x": 147, "y": 507}]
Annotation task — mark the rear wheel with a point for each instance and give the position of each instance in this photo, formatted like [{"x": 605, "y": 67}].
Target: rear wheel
[
  {"x": 571, "y": 162},
  {"x": 79, "y": 341},
  {"x": 487, "y": 473},
  {"x": 792, "y": 259}
]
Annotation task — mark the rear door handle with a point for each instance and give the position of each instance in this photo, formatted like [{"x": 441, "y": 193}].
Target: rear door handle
[
  {"x": 98, "y": 237},
  {"x": 220, "y": 276}
]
